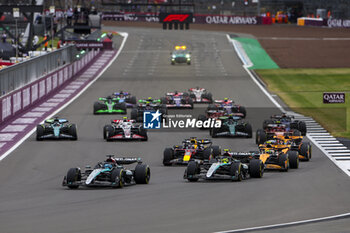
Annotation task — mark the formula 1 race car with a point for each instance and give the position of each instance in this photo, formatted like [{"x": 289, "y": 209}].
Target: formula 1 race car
[
  {"x": 200, "y": 95},
  {"x": 177, "y": 100},
  {"x": 288, "y": 121},
  {"x": 275, "y": 159},
  {"x": 125, "y": 97},
  {"x": 124, "y": 130},
  {"x": 293, "y": 143},
  {"x": 192, "y": 149},
  {"x": 214, "y": 112},
  {"x": 56, "y": 128},
  {"x": 232, "y": 126},
  {"x": 151, "y": 105},
  {"x": 110, "y": 173},
  {"x": 109, "y": 105},
  {"x": 219, "y": 168},
  {"x": 229, "y": 106},
  {"x": 180, "y": 55}
]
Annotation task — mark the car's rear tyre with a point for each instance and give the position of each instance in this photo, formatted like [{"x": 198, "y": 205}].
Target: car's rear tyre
[
  {"x": 266, "y": 123},
  {"x": 243, "y": 110},
  {"x": 109, "y": 132},
  {"x": 216, "y": 151},
  {"x": 256, "y": 168},
  {"x": 39, "y": 132},
  {"x": 293, "y": 159},
  {"x": 143, "y": 133},
  {"x": 283, "y": 161},
  {"x": 212, "y": 107},
  {"x": 73, "y": 176},
  {"x": 260, "y": 137},
  {"x": 305, "y": 150},
  {"x": 132, "y": 100},
  {"x": 73, "y": 132},
  {"x": 302, "y": 127},
  {"x": 133, "y": 114},
  {"x": 142, "y": 174},
  {"x": 117, "y": 177},
  {"x": 210, "y": 97},
  {"x": 168, "y": 155},
  {"x": 191, "y": 171},
  {"x": 236, "y": 171},
  {"x": 121, "y": 106},
  {"x": 249, "y": 130},
  {"x": 296, "y": 133},
  {"x": 207, "y": 154}
]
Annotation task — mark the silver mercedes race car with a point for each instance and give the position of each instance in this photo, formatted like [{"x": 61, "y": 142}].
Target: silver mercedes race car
[{"x": 110, "y": 173}]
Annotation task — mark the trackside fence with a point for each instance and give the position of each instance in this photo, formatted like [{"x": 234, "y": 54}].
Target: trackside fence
[{"x": 30, "y": 94}]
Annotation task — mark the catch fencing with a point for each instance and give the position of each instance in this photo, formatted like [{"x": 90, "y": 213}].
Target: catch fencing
[{"x": 20, "y": 74}]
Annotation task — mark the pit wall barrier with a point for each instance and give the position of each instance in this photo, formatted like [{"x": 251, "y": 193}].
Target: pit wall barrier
[
  {"x": 198, "y": 18},
  {"x": 29, "y": 95}
]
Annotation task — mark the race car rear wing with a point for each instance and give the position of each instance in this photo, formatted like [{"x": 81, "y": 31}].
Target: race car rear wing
[{"x": 127, "y": 160}]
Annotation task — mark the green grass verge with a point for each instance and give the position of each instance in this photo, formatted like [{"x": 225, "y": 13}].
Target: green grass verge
[
  {"x": 302, "y": 90},
  {"x": 257, "y": 55}
]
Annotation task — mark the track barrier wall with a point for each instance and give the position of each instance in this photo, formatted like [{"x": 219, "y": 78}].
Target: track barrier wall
[{"x": 27, "y": 96}]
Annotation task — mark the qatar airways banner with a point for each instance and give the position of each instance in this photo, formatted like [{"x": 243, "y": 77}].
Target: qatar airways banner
[
  {"x": 338, "y": 23},
  {"x": 221, "y": 19},
  {"x": 201, "y": 19}
]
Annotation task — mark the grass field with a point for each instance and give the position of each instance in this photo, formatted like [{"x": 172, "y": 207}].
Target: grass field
[{"x": 302, "y": 90}]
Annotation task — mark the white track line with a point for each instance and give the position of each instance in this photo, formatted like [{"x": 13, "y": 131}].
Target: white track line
[
  {"x": 125, "y": 37},
  {"x": 288, "y": 224}
]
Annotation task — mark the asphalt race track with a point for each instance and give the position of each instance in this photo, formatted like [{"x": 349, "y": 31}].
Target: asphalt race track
[{"x": 33, "y": 200}]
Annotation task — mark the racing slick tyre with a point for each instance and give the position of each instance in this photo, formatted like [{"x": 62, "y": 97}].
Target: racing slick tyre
[
  {"x": 143, "y": 133},
  {"x": 142, "y": 174},
  {"x": 39, "y": 132},
  {"x": 73, "y": 176},
  {"x": 305, "y": 151},
  {"x": 186, "y": 95},
  {"x": 209, "y": 96},
  {"x": 188, "y": 63},
  {"x": 121, "y": 106},
  {"x": 168, "y": 155},
  {"x": 260, "y": 137},
  {"x": 243, "y": 111},
  {"x": 266, "y": 123},
  {"x": 133, "y": 114},
  {"x": 117, "y": 178},
  {"x": 212, "y": 107},
  {"x": 132, "y": 100},
  {"x": 248, "y": 129},
  {"x": 191, "y": 171},
  {"x": 172, "y": 62},
  {"x": 283, "y": 161},
  {"x": 296, "y": 133},
  {"x": 216, "y": 151},
  {"x": 302, "y": 127},
  {"x": 108, "y": 132},
  {"x": 207, "y": 154},
  {"x": 293, "y": 159},
  {"x": 163, "y": 100},
  {"x": 236, "y": 170},
  {"x": 202, "y": 118},
  {"x": 256, "y": 168},
  {"x": 97, "y": 106},
  {"x": 190, "y": 101},
  {"x": 213, "y": 132},
  {"x": 73, "y": 132}
]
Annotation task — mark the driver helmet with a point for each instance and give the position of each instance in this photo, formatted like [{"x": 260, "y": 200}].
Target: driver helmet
[
  {"x": 176, "y": 92},
  {"x": 225, "y": 99},
  {"x": 125, "y": 119},
  {"x": 108, "y": 166},
  {"x": 225, "y": 160},
  {"x": 194, "y": 141},
  {"x": 149, "y": 98}
]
